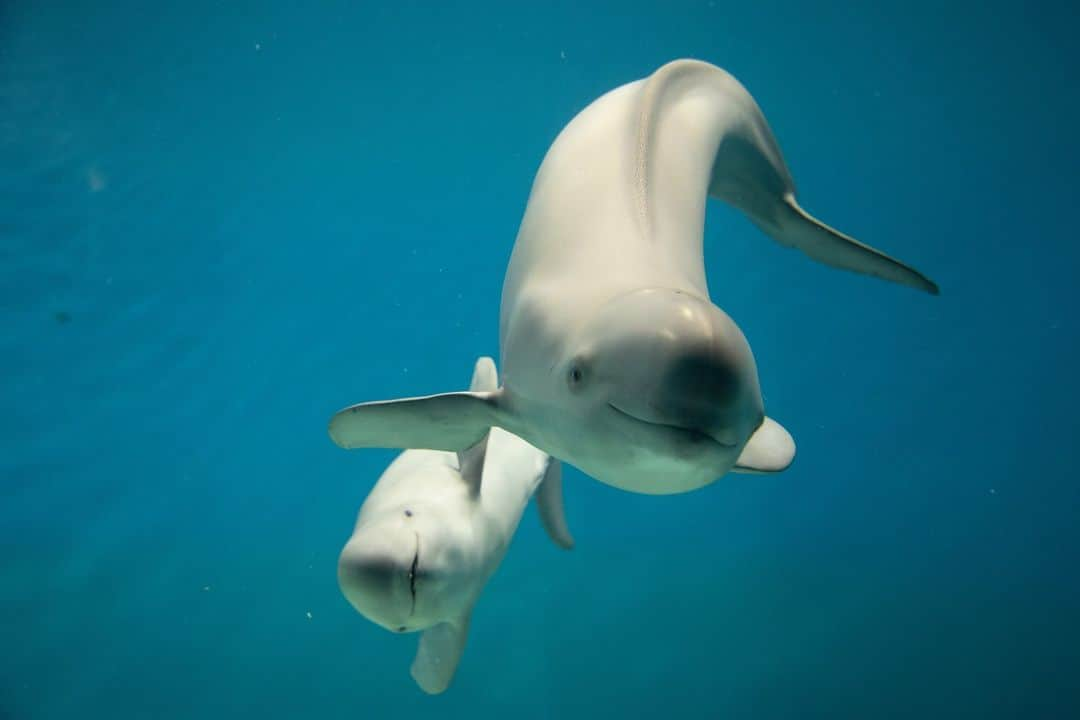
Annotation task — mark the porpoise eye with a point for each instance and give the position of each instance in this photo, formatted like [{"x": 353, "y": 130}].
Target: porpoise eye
[
  {"x": 575, "y": 376},
  {"x": 408, "y": 513},
  {"x": 401, "y": 629}
]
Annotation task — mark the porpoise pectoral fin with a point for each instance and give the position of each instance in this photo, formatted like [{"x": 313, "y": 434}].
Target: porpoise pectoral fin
[
  {"x": 796, "y": 228},
  {"x": 439, "y": 653},
  {"x": 770, "y": 450},
  {"x": 549, "y": 501},
  {"x": 485, "y": 377},
  {"x": 451, "y": 422},
  {"x": 471, "y": 460}
]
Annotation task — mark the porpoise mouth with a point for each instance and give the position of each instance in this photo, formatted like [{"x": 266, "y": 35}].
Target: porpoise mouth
[
  {"x": 691, "y": 434},
  {"x": 412, "y": 575}
]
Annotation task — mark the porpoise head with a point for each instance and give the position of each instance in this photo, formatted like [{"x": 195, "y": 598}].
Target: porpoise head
[
  {"x": 665, "y": 373},
  {"x": 402, "y": 569}
]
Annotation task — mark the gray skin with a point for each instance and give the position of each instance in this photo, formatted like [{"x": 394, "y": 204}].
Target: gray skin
[{"x": 614, "y": 357}]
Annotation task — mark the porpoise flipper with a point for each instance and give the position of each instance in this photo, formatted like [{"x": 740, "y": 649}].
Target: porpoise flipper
[
  {"x": 769, "y": 450},
  {"x": 549, "y": 503},
  {"x": 471, "y": 460},
  {"x": 439, "y": 653},
  {"x": 796, "y": 228},
  {"x": 450, "y": 421}
]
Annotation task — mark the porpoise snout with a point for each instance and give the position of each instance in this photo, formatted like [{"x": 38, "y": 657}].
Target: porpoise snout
[
  {"x": 676, "y": 360},
  {"x": 701, "y": 394},
  {"x": 375, "y": 573}
]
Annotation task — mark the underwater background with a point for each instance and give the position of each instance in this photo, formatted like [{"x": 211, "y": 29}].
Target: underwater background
[{"x": 222, "y": 222}]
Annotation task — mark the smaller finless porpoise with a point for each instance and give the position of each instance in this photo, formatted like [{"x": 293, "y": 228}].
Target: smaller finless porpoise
[
  {"x": 434, "y": 529},
  {"x": 614, "y": 357}
]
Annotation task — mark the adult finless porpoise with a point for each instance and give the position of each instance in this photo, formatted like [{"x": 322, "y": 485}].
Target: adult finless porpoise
[
  {"x": 614, "y": 358},
  {"x": 433, "y": 531}
]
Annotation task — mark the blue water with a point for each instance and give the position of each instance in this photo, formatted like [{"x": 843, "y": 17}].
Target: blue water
[{"x": 221, "y": 222}]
